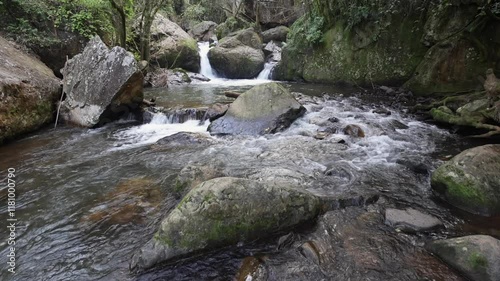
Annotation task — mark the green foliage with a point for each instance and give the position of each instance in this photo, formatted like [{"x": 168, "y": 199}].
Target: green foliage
[
  {"x": 194, "y": 13},
  {"x": 357, "y": 14},
  {"x": 306, "y": 31},
  {"x": 86, "y": 17},
  {"x": 26, "y": 34},
  {"x": 201, "y": 10},
  {"x": 35, "y": 22}
]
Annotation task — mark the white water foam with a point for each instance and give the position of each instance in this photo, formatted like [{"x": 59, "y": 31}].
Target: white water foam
[
  {"x": 266, "y": 72},
  {"x": 159, "y": 127}
]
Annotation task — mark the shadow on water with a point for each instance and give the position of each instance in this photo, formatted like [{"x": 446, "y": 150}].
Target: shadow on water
[{"x": 87, "y": 199}]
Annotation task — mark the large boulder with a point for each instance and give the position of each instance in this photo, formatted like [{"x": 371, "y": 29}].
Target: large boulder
[
  {"x": 471, "y": 180},
  {"x": 28, "y": 92},
  {"x": 476, "y": 256},
  {"x": 204, "y": 31},
  {"x": 172, "y": 47},
  {"x": 101, "y": 85},
  {"x": 238, "y": 56},
  {"x": 278, "y": 33},
  {"x": 430, "y": 47},
  {"x": 264, "y": 109},
  {"x": 225, "y": 211}
]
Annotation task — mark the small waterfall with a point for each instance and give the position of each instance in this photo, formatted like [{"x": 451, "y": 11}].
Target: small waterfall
[
  {"x": 266, "y": 72},
  {"x": 205, "y": 67},
  {"x": 174, "y": 116}
]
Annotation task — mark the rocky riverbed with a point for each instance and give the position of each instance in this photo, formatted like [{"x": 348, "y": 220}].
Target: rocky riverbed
[{"x": 93, "y": 198}]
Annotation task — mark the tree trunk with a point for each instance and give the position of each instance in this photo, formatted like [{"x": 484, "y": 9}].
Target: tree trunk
[{"x": 123, "y": 23}]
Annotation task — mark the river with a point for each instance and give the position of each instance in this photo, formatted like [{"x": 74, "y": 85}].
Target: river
[{"x": 88, "y": 198}]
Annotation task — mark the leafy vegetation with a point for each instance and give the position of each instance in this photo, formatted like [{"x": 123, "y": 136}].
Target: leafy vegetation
[
  {"x": 36, "y": 22},
  {"x": 306, "y": 31}
]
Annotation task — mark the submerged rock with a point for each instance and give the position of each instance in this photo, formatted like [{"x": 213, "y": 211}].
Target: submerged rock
[
  {"x": 264, "y": 109},
  {"x": 130, "y": 202},
  {"x": 184, "y": 139},
  {"x": 354, "y": 131},
  {"x": 350, "y": 244},
  {"x": 476, "y": 256},
  {"x": 101, "y": 85},
  {"x": 471, "y": 180},
  {"x": 28, "y": 92},
  {"x": 411, "y": 220},
  {"x": 238, "y": 56},
  {"x": 225, "y": 211}
]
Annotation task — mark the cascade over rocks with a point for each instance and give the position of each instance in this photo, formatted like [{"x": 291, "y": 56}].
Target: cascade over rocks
[
  {"x": 471, "y": 180},
  {"x": 264, "y": 109},
  {"x": 101, "y": 85},
  {"x": 225, "y": 211},
  {"x": 172, "y": 47},
  {"x": 238, "y": 56},
  {"x": 28, "y": 92}
]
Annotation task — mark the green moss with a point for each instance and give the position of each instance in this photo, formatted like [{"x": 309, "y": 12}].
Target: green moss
[
  {"x": 190, "y": 44},
  {"x": 478, "y": 261},
  {"x": 458, "y": 187},
  {"x": 445, "y": 116},
  {"x": 180, "y": 186}
]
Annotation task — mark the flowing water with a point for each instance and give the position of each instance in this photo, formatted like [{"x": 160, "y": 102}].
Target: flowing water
[{"x": 87, "y": 199}]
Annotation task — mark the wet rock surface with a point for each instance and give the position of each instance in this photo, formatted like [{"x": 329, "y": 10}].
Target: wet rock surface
[
  {"x": 264, "y": 109},
  {"x": 353, "y": 241},
  {"x": 225, "y": 211},
  {"x": 355, "y": 182},
  {"x": 411, "y": 220},
  {"x": 101, "y": 85},
  {"x": 471, "y": 181},
  {"x": 476, "y": 256}
]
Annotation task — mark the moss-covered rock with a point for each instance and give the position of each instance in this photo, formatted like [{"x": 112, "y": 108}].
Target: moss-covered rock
[
  {"x": 476, "y": 256},
  {"x": 433, "y": 46},
  {"x": 239, "y": 55},
  {"x": 231, "y": 25},
  {"x": 172, "y": 47},
  {"x": 376, "y": 49},
  {"x": 225, "y": 211},
  {"x": 28, "y": 92},
  {"x": 471, "y": 180}
]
